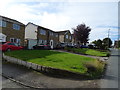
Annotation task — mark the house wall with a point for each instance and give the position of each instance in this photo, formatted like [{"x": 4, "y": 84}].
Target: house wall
[
  {"x": 68, "y": 40},
  {"x": 61, "y": 38},
  {"x": 31, "y": 31},
  {"x": 54, "y": 38},
  {"x": 12, "y": 33},
  {"x": 43, "y": 39}
]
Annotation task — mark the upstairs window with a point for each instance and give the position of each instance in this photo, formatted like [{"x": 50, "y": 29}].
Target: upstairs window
[
  {"x": 42, "y": 32},
  {"x": 16, "y": 26},
  {"x": 67, "y": 36},
  {"x": 56, "y": 35},
  {"x": 70, "y": 38},
  {"x": 2, "y": 23},
  {"x": 51, "y": 33}
]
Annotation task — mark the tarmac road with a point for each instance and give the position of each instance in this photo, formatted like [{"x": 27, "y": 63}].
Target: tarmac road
[
  {"x": 6, "y": 83},
  {"x": 111, "y": 77}
]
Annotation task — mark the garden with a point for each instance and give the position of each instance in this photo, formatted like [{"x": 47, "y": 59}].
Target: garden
[
  {"x": 88, "y": 51},
  {"x": 62, "y": 60}
]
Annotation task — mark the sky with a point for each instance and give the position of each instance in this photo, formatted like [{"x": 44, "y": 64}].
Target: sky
[{"x": 59, "y": 15}]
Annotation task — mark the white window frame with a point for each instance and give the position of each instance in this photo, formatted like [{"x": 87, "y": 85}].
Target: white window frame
[
  {"x": 42, "y": 32},
  {"x": 3, "y": 23},
  {"x": 17, "y": 40},
  {"x": 56, "y": 35},
  {"x": 16, "y": 26},
  {"x": 66, "y": 36},
  {"x": 51, "y": 33},
  {"x": 70, "y": 37}
]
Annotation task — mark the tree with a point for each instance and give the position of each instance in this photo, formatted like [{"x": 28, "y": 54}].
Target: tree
[
  {"x": 81, "y": 33},
  {"x": 119, "y": 44},
  {"x": 107, "y": 42},
  {"x": 98, "y": 43}
]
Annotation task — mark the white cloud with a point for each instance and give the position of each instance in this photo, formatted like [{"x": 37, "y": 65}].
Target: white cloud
[
  {"x": 54, "y": 21},
  {"x": 62, "y": 16}
]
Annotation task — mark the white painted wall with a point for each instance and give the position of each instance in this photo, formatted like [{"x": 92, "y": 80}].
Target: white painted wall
[
  {"x": 30, "y": 31},
  {"x": 31, "y": 43},
  {"x": 2, "y": 37}
]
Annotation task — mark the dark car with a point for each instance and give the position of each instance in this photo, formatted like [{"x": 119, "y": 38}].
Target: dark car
[
  {"x": 9, "y": 46},
  {"x": 61, "y": 46},
  {"x": 84, "y": 46},
  {"x": 42, "y": 47}
]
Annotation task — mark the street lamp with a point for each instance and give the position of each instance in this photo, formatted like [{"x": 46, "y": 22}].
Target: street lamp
[{"x": 108, "y": 37}]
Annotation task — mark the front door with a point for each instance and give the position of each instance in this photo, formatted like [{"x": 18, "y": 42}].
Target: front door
[{"x": 51, "y": 44}]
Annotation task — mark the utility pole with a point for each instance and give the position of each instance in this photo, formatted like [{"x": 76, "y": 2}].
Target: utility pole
[{"x": 108, "y": 37}]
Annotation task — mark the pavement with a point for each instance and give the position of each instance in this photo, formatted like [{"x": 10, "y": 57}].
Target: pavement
[
  {"x": 40, "y": 80},
  {"x": 7, "y": 83},
  {"x": 111, "y": 77}
]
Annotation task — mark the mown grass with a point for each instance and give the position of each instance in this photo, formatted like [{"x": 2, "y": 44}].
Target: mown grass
[
  {"x": 88, "y": 51},
  {"x": 61, "y": 60}
]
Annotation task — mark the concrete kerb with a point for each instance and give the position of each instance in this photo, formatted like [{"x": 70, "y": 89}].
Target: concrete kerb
[{"x": 29, "y": 64}]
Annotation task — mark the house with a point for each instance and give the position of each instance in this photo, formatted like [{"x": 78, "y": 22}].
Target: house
[
  {"x": 65, "y": 37},
  {"x": 36, "y": 35},
  {"x": 116, "y": 43},
  {"x": 11, "y": 30}
]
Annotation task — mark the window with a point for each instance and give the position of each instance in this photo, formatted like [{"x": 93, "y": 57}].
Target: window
[
  {"x": 2, "y": 23},
  {"x": 70, "y": 37},
  {"x": 56, "y": 35},
  {"x": 16, "y": 26},
  {"x": 42, "y": 32},
  {"x": 67, "y": 36},
  {"x": 15, "y": 40},
  {"x": 51, "y": 33},
  {"x": 45, "y": 42}
]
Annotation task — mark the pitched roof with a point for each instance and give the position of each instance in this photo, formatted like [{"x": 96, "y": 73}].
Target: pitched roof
[
  {"x": 3, "y": 17},
  {"x": 40, "y": 26}
]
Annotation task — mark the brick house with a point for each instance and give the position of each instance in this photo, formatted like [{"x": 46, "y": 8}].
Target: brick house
[
  {"x": 11, "y": 30},
  {"x": 65, "y": 37},
  {"x": 35, "y": 34}
]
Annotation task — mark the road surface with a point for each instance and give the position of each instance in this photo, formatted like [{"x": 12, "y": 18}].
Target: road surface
[
  {"x": 39, "y": 80},
  {"x": 111, "y": 77},
  {"x": 6, "y": 83}
]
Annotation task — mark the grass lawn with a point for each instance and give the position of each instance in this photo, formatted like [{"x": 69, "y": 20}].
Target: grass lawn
[
  {"x": 61, "y": 60},
  {"x": 88, "y": 51}
]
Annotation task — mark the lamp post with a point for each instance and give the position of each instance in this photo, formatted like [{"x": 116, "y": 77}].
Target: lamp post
[{"x": 108, "y": 37}]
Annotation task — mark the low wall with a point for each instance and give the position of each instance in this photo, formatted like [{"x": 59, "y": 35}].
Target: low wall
[{"x": 45, "y": 69}]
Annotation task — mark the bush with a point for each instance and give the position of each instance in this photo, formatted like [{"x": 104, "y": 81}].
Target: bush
[{"x": 95, "y": 69}]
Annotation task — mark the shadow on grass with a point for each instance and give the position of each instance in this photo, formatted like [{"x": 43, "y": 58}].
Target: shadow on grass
[{"x": 31, "y": 54}]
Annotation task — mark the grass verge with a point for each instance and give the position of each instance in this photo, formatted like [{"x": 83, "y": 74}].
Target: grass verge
[
  {"x": 88, "y": 51},
  {"x": 61, "y": 60}
]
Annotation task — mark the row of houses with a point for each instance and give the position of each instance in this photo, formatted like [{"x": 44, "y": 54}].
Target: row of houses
[{"x": 32, "y": 34}]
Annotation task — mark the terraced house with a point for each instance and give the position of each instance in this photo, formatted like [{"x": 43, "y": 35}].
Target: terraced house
[
  {"x": 11, "y": 30},
  {"x": 36, "y": 35},
  {"x": 65, "y": 37}
]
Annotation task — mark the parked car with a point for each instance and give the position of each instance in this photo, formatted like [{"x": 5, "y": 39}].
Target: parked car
[
  {"x": 41, "y": 46},
  {"x": 9, "y": 46},
  {"x": 84, "y": 46},
  {"x": 91, "y": 46},
  {"x": 61, "y": 46}
]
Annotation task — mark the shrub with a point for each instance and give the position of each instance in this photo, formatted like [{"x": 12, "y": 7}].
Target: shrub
[{"x": 94, "y": 69}]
